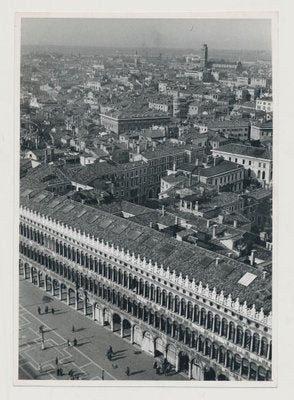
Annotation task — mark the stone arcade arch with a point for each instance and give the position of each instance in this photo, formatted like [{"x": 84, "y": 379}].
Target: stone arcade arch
[
  {"x": 148, "y": 343},
  {"x": 183, "y": 362},
  {"x": 138, "y": 336},
  {"x": 171, "y": 354},
  {"x": 159, "y": 348},
  {"x": 209, "y": 374},
  {"x": 116, "y": 321},
  {"x": 126, "y": 329},
  {"x": 196, "y": 370}
]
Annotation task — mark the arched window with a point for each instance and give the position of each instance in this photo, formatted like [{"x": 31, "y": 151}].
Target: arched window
[
  {"x": 203, "y": 317},
  {"x": 239, "y": 335},
  {"x": 247, "y": 342},
  {"x": 170, "y": 301},
  {"x": 237, "y": 363},
  {"x": 263, "y": 347},
  {"x": 190, "y": 311},
  {"x": 183, "y": 307},
  {"x": 232, "y": 331},
  {"x": 196, "y": 314},
  {"x": 255, "y": 344},
  {"x": 224, "y": 329},
  {"x": 209, "y": 320},
  {"x": 217, "y": 324},
  {"x": 177, "y": 304}
]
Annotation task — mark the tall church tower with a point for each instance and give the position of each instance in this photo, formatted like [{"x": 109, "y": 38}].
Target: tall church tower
[{"x": 204, "y": 56}]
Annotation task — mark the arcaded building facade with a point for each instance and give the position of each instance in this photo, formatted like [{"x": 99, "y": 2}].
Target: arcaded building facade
[{"x": 159, "y": 294}]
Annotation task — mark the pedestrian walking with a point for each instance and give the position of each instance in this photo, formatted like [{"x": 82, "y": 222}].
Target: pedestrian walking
[
  {"x": 73, "y": 328},
  {"x": 75, "y": 342},
  {"x": 39, "y": 310},
  {"x": 61, "y": 371},
  {"x": 68, "y": 343},
  {"x": 70, "y": 372},
  {"x": 46, "y": 309},
  {"x": 128, "y": 371},
  {"x": 52, "y": 310},
  {"x": 102, "y": 375},
  {"x": 110, "y": 350},
  {"x": 56, "y": 361},
  {"x": 155, "y": 365},
  {"x": 57, "y": 372}
]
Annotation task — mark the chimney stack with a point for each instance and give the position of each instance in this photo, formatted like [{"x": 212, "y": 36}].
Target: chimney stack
[
  {"x": 207, "y": 223},
  {"x": 196, "y": 205},
  {"x": 162, "y": 211},
  {"x": 263, "y": 274},
  {"x": 214, "y": 231},
  {"x": 217, "y": 261},
  {"x": 252, "y": 258},
  {"x": 235, "y": 223},
  {"x": 176, "y": 221}
]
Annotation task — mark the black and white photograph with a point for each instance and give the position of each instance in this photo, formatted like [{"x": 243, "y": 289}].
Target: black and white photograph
[{"x": 145, "y": 199}]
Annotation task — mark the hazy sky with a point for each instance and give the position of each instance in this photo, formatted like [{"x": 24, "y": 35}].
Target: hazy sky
[{"x": 251, "y": 34}]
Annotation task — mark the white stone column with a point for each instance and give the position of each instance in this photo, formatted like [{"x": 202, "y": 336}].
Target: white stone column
[
  {"x": 85, "y": 305},
  {"x": 76, "y": 299},
  {"x": 190, "y": 370},
  {"x": 121, "y": 329},
  {"x": 177, "y": 362},
  {"x": 38, "y": 278},
  {"x": 132, "y": 334}
]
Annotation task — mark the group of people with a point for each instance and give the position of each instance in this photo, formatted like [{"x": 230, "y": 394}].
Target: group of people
[
  {"x": 75, "y": 342},
  {"x": 46, "y": 310},
  {"x": 109, "y": 353},
  {"x": 163, "y": 367}
]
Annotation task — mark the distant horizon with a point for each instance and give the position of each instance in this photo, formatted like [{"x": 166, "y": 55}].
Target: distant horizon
[
  {"x": 145, "y": 48},
  {"x": 224, "y": 34}
]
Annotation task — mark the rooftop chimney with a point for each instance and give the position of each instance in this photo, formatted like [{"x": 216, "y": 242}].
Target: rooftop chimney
[
  {"x": 216, "y": 261},
  {"x": 214, "y": 231},
  {"x": 235, "y": 223},
  {"x": 207, "y": 223},
  {"x": 263, "y": 274},
  {"x": 162, "y": 211},
  {"x": 252, "y": 258},
  {"x": 196, "y": 205}
]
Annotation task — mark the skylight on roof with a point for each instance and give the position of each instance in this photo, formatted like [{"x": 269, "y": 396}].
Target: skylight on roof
[
  {"x": 119, "y": 228},
  {"x": 94, "y": 219},
  {"x": 41, "y": 197},
  {"x": 105, "y": 223},
  {"x": 68, "y": 208},
  {"x": 26, "y": 192},
  {"x": 55, "y": 203},
  {"x": 81, "y": 213},
  {"x": 247, "y": 279}
]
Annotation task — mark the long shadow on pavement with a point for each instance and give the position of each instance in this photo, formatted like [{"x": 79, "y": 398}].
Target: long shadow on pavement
[{"x": 137, "y": 372}]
